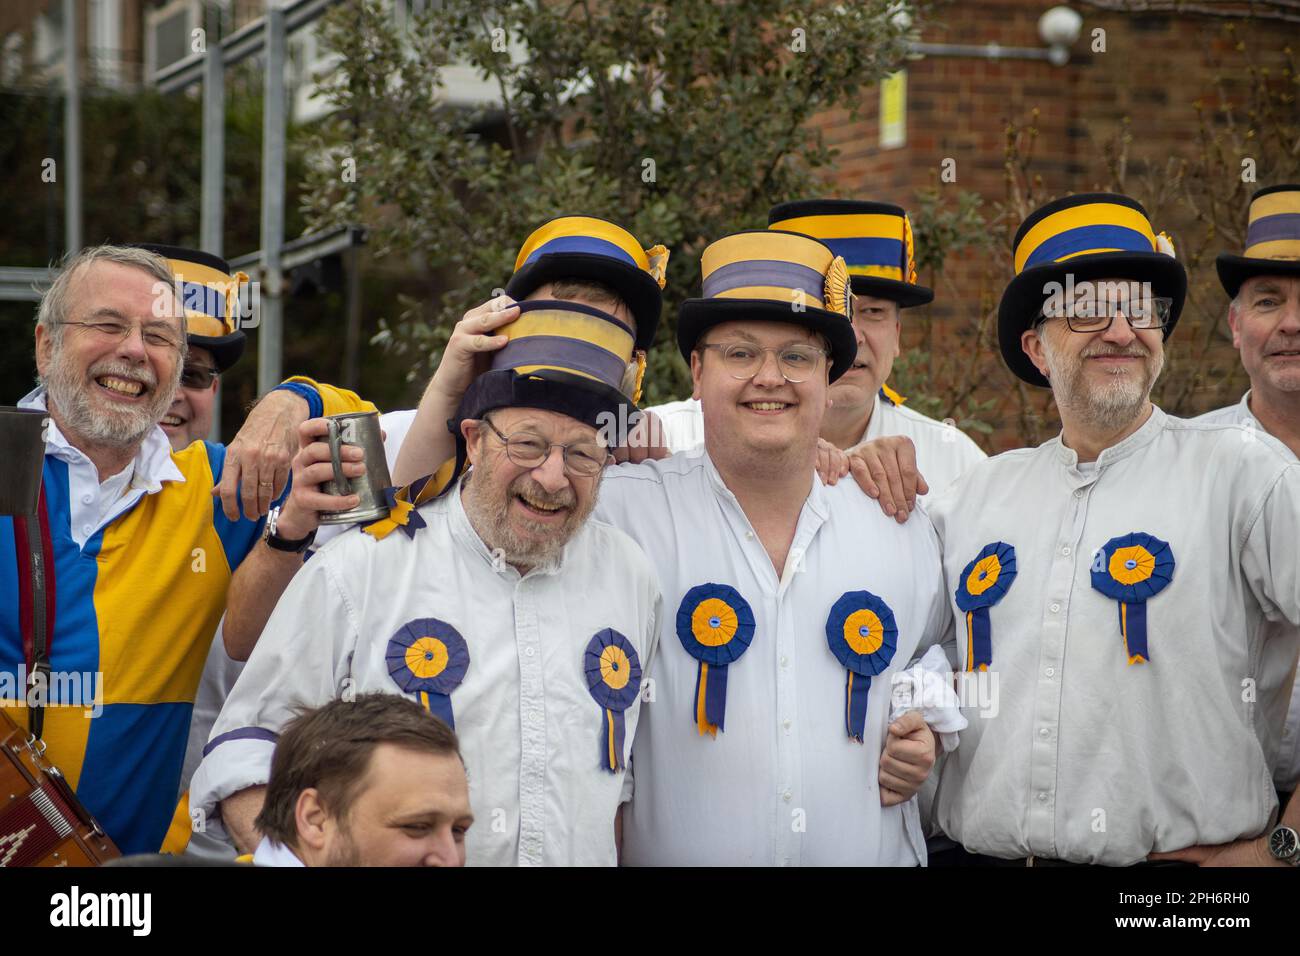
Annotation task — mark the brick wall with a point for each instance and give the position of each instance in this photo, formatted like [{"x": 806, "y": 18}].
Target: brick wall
[{"x": 1152, "y": 72}]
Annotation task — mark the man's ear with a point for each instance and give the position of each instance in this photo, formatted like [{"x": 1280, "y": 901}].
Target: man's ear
[
  {"x": 309, "y": 817},
  {"x": 470, "y": 430},
  {"x": 697, "y": 372},
  {"x": 1033, "y": 346},
  {"x": 44, "y": 350}
]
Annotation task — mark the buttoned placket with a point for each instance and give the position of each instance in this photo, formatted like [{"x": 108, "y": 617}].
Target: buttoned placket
[
  {"x": 1044, "y": 764},
  {"x": 532, "y": 721},
  {"x": 787, "y": 842}
]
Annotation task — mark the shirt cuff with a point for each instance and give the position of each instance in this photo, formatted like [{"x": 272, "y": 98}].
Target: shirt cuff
[{"x": 234, "y": 764}]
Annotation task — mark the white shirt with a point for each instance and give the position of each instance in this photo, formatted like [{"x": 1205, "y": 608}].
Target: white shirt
[
  {"x": 942, "y": 451},
  {"x": 1083, "y": 756},
  {"x": 529, "y": 727},
  {"x": 220, "y": 671},
  {"x": 94, "y": 504},
  {"x": 270, "y": 853},
  {"x": 1286, "y": 773},
  {"x": 782, "y": 783}
]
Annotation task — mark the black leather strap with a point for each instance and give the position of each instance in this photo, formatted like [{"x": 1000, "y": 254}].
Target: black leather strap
[{"x": 40, "y": 665}]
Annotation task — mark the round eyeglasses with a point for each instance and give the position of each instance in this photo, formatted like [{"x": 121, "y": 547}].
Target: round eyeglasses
[{"x": 797, "y": 363}]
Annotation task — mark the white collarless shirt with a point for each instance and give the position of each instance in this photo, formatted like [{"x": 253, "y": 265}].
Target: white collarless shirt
[
  {"x": 1286, "y": 743},
  {"x": 1083, "y": 756},
  {"x": 270, "y": 853},
  {"x": 782, "y": 783},
  {"x": 529, "y": 727},
  {"x": 94, "y": 504},
  {"x": 942, "y": 451}
]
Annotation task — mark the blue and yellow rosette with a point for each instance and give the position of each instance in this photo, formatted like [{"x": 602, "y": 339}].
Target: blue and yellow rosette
[
  {"x": 1131, "y": 569},
  {"x": 614, "y": 679},
  {"x": 984, "y": 582},
  {"x": 863, "y": 636},
  {"x": 429, "y": 658},
  {"x": 715, "y": 625}
]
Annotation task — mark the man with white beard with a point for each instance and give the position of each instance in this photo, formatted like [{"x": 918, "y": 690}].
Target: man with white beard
[
  {"x": 1118, "y": 579},
  {"x": 122, "y": 574}
]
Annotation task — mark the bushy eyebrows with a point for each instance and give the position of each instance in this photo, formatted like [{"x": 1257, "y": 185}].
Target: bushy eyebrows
[{"x": 1271, "y": 286}]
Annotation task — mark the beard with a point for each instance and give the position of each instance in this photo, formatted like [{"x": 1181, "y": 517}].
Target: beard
[
  {"x": 345, "y": 851},
  {"x": 519, "y": 541},
  {"x": 100, "y": 422},
  {"x": 1118, "y": 400}
]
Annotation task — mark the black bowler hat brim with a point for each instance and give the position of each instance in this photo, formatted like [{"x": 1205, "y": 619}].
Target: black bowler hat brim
[
  {"x": 634, "y": 286},
  {"x": 1022, "y": 302},
  {"x": 905, "y": 294},
  {"x": 697, "y": 316},
  {"x": 226, "y": 349},
  {"x": 1235, "y": 270}
]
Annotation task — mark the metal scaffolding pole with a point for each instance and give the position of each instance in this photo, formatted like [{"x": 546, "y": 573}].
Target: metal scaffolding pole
[
  {"x": 211, "y": 222},
  {"x": 270, "y": 344},
  {"x": 71, "y": 132}
]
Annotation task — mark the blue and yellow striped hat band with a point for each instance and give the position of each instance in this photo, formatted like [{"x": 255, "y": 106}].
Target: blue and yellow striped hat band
[
  {"x": 587, "y": 248},
  {"x": 783, "y": 267},
  {"x": 1090, "y": 236},
  {"x": 774, "y": 276},
  {"x": 1274, "y": 226},
  {"x": 1272, "y": 239},
  {"x": 875, "y": 240},
  {"x": 209, "y": 293},
  {"x": 571, "y": 338}
]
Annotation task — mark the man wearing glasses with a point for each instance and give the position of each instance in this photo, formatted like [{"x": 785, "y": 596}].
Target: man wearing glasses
[
  {"x": 1117, "y": 580},
  {"x": 112, "y": 593},
  {"x": 491, "y": 599}
]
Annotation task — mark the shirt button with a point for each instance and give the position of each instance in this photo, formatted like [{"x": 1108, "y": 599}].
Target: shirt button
[
  {"x": 86, "y": 499},
  {"x": 749, "y": 535},
  {"x": 785, "y": 724},
  {"x": 86, "y": 529},
  {"x": 1050, "y": 672},
  {"x": 1065, "y": 550},
  {"x": 1055, "y": 608},
  {"x": 785, "y": 661},
  {"x": 530, "y": 652},
  {"x": 1044, "y": 732},
  {"x": 1042, "y": 796},
  {"x": 1078, "y": 492},
  {"x": 787, "y": 796}
]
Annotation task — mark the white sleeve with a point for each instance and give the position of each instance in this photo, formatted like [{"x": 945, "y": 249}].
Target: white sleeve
[
  {"x": 683, "y": 424},
  {"x": 1269, "y": 557},
  {"x": 647, "y": 673},
  {"x": 301, "y": 660}
]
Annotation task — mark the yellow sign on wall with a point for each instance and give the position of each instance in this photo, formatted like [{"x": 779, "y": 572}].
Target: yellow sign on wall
[{"x": 893, "y": 110}]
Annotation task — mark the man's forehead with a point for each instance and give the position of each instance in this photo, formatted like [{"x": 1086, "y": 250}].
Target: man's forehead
[
  {"x": 872, "y": 302},
  {"x": 618, "y": 310},
  {"x": 761, "y": 331},
  {"x": 1268, "y": 283},
  {"x": 541, "y": 420},
  {"x": 127, "y": 290}
]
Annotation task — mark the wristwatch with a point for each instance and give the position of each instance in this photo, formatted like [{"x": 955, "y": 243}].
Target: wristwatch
[
  {"x": 1284, "y": 844},
  {"x": 273, "y": 540}
]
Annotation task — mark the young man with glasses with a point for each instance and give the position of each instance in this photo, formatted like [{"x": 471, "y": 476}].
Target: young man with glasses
[{"x": 1118, "y": 580}]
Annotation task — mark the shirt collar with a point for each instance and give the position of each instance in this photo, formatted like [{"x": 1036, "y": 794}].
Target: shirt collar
[
  {"x": 463, "y": 529},
  {"x": 1246, "y": 414},
  {"x": 816, "y": 499},
  {"x": 151, "y": 466},
  {"x": 1144, "y": 436},
  {"x": 270, "y": 853},
  {"x": 875, "y": 426}
]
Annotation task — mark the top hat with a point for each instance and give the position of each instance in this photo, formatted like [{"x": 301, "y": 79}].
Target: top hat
[
  {"x": 209, "y": 292},
  {"x": 774, "y": 276},
  {"x": 583, "y": 247},
  {"x": 1087, "y": 236},
  {"x": 1272, "y": 239},
  {"x": 873, "y": 238}
]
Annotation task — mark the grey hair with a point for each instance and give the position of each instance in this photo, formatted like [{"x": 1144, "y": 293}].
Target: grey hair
[{"x": 53, "y": 309}]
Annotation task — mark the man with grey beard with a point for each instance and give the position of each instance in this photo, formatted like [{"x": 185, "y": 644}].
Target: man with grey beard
[
  {"x": 1117, "y": 580},
  {"x": 122, "y": 574},
  {"x": 495, "y": 604}
]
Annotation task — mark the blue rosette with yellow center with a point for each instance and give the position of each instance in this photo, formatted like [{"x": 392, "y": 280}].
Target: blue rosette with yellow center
[
  {"x": 1131, "y": 569},
  {"x": 429, "y": 658},
  {"x": 984, "y": 582},
  {"x": 614, "y": 678},
  {"x": 863, "y": 636},
  {"x": 715, "y": 625}
]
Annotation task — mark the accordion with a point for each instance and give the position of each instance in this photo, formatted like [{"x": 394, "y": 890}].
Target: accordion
[{"x": 42, "y": 823}]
